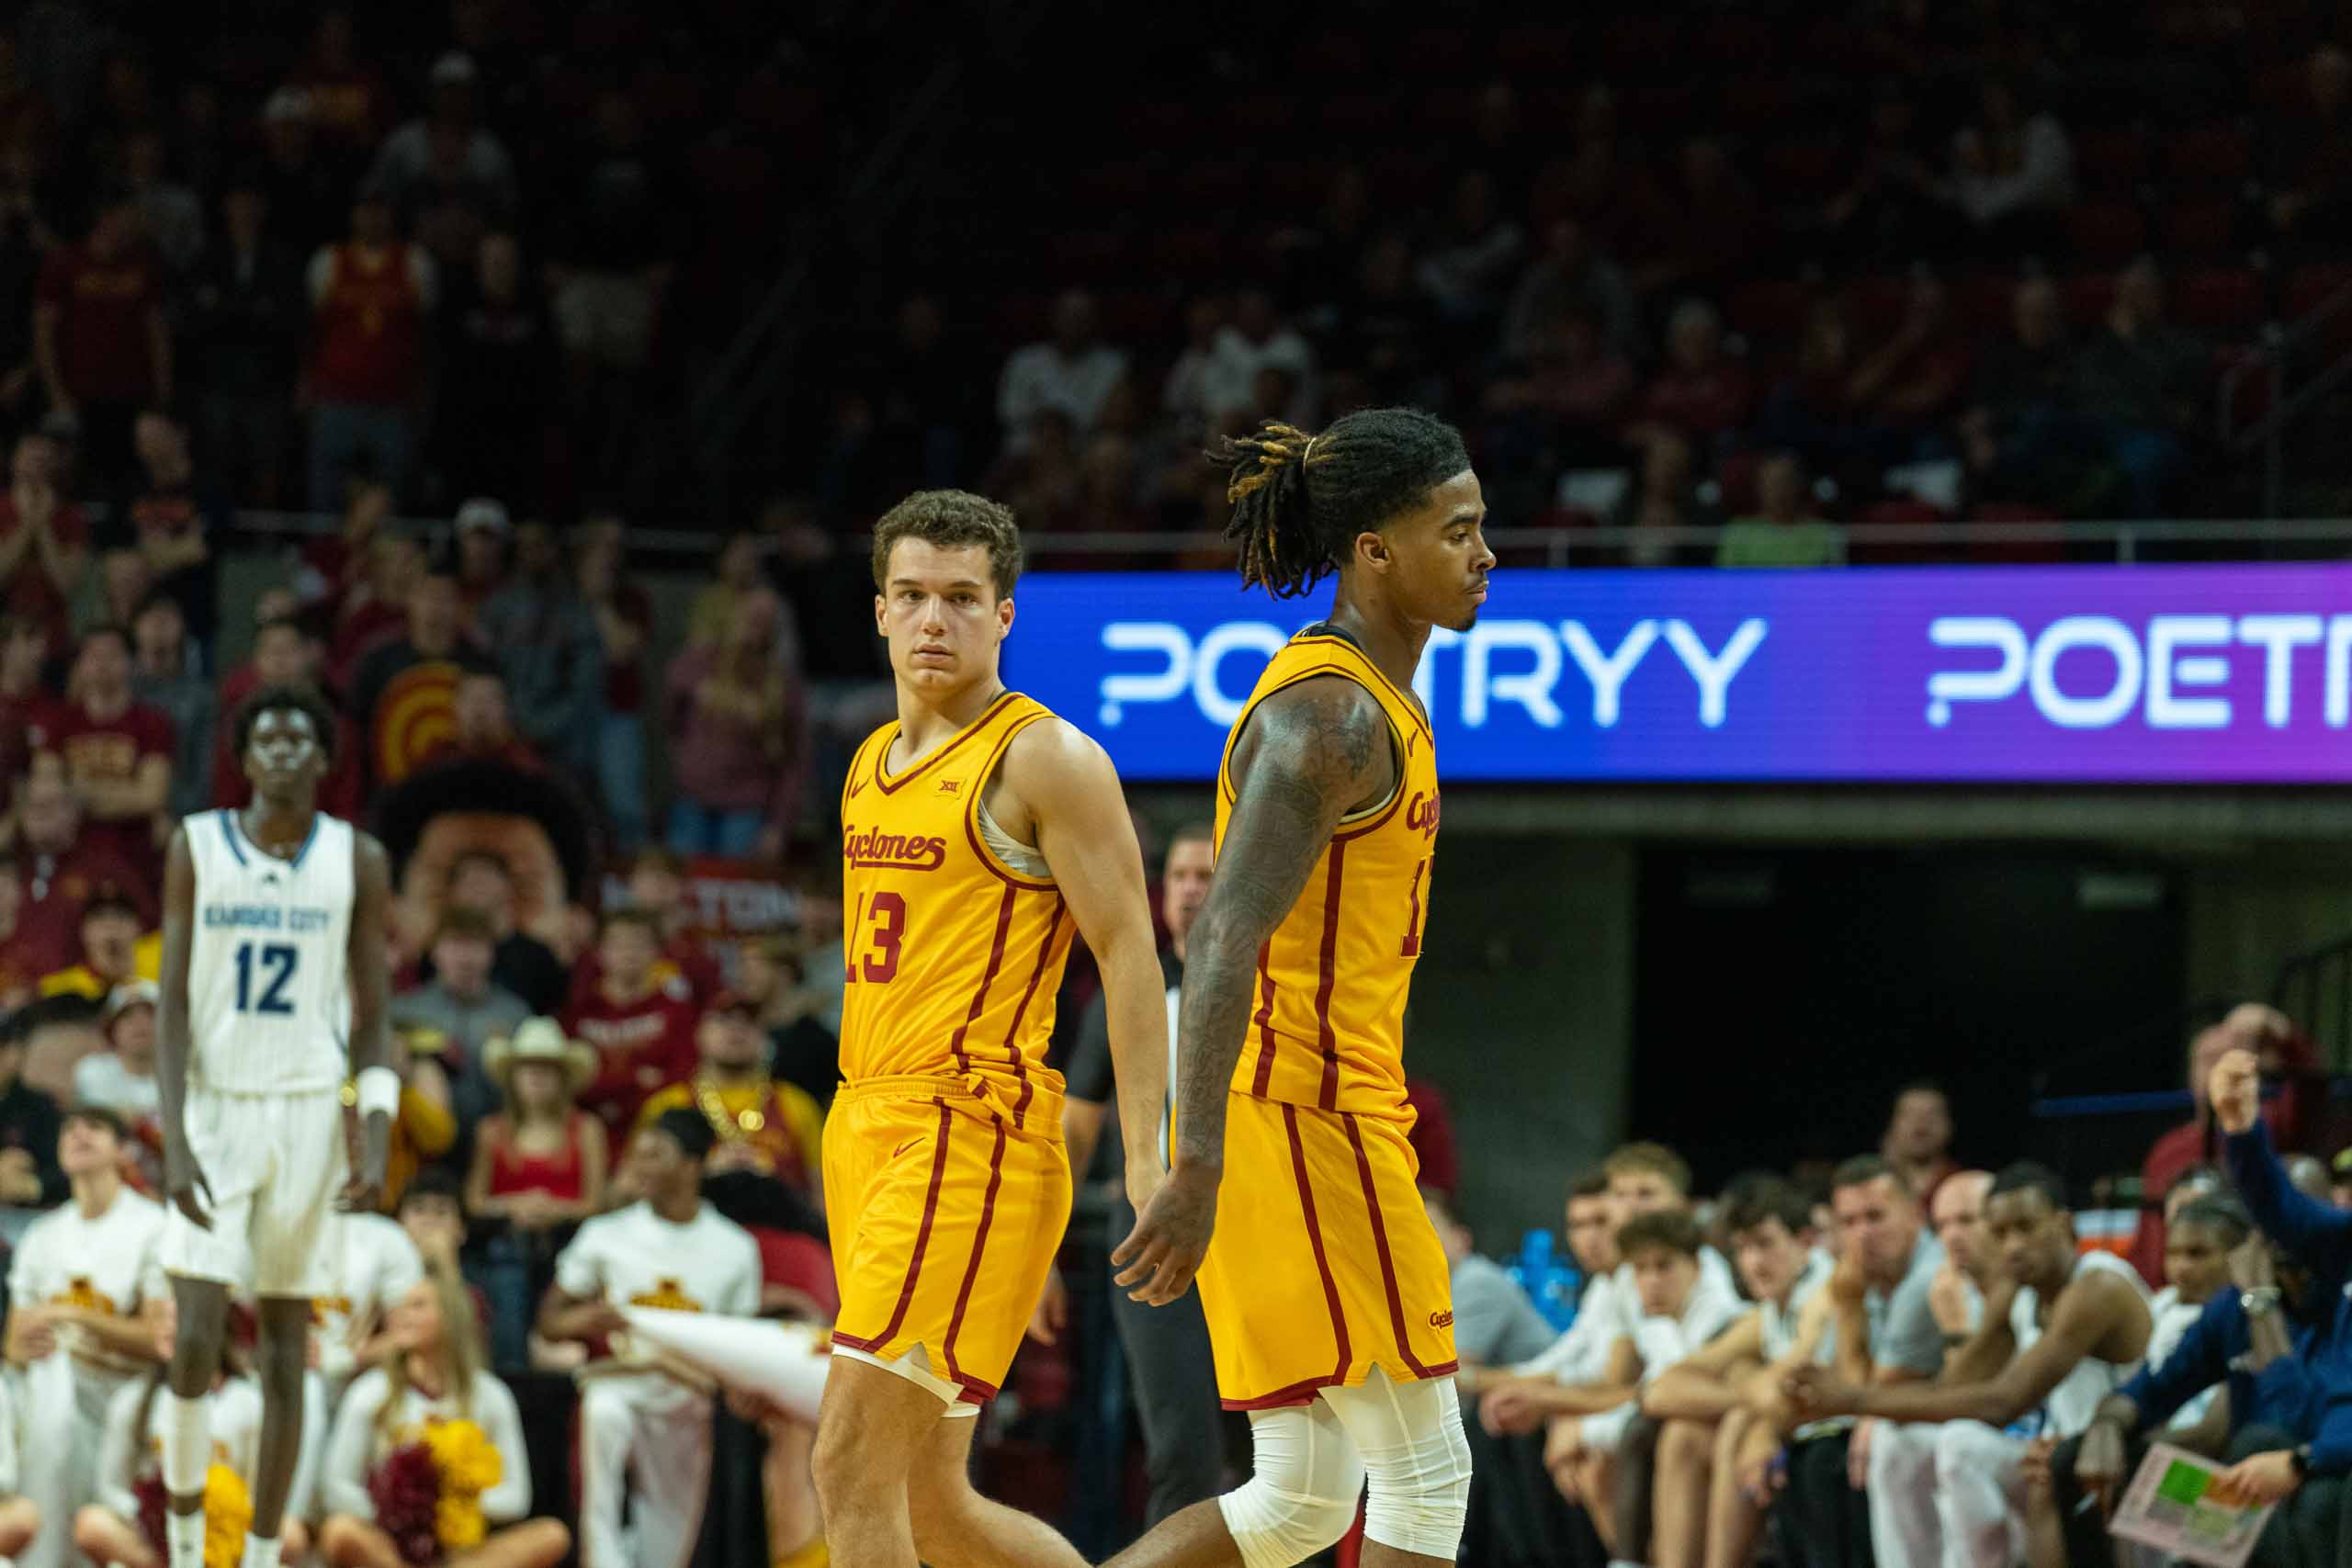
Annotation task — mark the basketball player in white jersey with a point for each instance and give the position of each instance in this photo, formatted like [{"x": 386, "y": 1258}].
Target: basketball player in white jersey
[{"x": 274, "y": 956}]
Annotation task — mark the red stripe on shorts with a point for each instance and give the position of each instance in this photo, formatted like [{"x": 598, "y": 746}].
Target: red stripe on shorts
[
  {"x": 1380, "y": 1244},
  {"x": 980, "y": 1245},
  {"x": 922, "y": 1241},
  {"x": 1314, "y": 1237},
  {"x": 1330, "y": 1097}
]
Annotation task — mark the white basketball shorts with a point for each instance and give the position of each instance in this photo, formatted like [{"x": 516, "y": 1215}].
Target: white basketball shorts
[{"x": 276, "y": 1164}]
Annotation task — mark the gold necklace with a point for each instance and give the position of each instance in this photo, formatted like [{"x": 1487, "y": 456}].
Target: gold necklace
[{"x": 740, "y": 1125}]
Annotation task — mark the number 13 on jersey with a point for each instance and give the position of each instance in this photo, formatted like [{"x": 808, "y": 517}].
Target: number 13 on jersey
[{"x": 882, "y": 923}]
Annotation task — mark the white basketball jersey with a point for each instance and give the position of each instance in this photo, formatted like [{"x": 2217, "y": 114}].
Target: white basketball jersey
[{"x": 270, "y": 996}]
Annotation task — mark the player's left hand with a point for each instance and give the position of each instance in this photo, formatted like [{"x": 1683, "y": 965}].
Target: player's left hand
[{"x": 1160, "y": 1256}]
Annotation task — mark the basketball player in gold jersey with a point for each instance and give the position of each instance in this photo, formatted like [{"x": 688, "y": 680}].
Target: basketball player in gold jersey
[
  {"x": 979, "y": 833},
  {"x": 1325, "y": 1288}
]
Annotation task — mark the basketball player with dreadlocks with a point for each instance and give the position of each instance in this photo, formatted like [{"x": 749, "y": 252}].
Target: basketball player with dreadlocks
[{"x": 1324, "y": 1286}]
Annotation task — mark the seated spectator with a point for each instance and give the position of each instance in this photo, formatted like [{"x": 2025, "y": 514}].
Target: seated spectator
[
  {"x": 1467, "y": 270},
  {"x": 1886, "y": 1333},
  {"x": 2201, "y": 1232},
  {"x": 765, "y": 1171},
  {"x": 643, "y": 1028},
  {"x": 1663, "y": 495},
  {"x": 100, "y": 337},
  {"x": 1702, "y": 223},
  {"x": 379, "y": 1264},
  {"x": 1718, "y": 1411},
  {"x": 432, "y": 1211},
  {"x": 2146, "y": 379},
  {"x": 23, "y": 953},
  {"x": 1569, "y": 278},
  {"x": 370, "y": 298},
  {"x": 483, "y": 530},
  {"x": 406, "y": 159},
  {"x": 1256, "y": 340},
  {"x": 1905, "y": 389},
  {"x": 481, "y": 729},
  {"x": 404, "y": 694},
  {"x": 1564, "y": 407},
  {"x": 801, "y": 1049},
  {"x": 1892, "y": 206},
  {"x": 175, "y": 526},
  {"x": 645, "y": 1426},
  {"x": 2309, "y": 161},
  {"x": 1700, "y": 392},
  {"x": 78, "y": 1286},
  {"x": 738, "y": 730},
  {"x": 613, "y": 255},
  {"x": 481, "y": 879},
  {"x": 129, "y": 1453},
  {"x": 547, "y": 642},
  {"x": 1387, "y": 329},
  {"x": 657, "y": 884},
  {"x": 465, "y": 1006},
  {"x": 62, "y": 867},
  {"x": 115, "y": 752},
  {"x": 1917, "y": 1141},
  {"x": 122, "y": 1079},
  {"x": 539, "y": 1167},
  {"x": 435, "y": 1374},
  {"x": 112, "y": 954},
  {"x": 332, "y": 574},
  {"x": 29, "y": 1126},
  {"x": 1072, "y": 372},
  {"x": 1681, "y": 1309},
  {"x": 1784, "y": 532},
  {"x": 2024, "y": 432},
  {"x": 249, "y": 312},
  {"x": 163, "y": 679},
  {"x": 44, "y": 540},
  {"x": 2285, "y": 1053},
  {"x": 1944, "y": 1474},
  {"x": 2013, "y": 173},
  {"x": 1970, "y": 1270},
  {"x": 711, "y": 616},
  {"x": 1184, "y": 396}
]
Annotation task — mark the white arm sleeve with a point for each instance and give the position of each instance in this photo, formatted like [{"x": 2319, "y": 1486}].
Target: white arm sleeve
[
  {"x": 501, "y": 1423},
  {"x": 343, "y": 1477}
]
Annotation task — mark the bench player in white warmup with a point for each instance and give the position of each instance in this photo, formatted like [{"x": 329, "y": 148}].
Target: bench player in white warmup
[{"x": 274, "y": 921}]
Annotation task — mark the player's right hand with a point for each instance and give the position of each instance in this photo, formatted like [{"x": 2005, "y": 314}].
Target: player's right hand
[
  {"x": 1160, "y": 1256},
  {"x": 183, "y": 1179},
  {"x": 1045, "y": 1324}
]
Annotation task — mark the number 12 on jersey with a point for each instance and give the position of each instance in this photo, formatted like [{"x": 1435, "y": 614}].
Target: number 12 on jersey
[{"x": 263, "y": 971}]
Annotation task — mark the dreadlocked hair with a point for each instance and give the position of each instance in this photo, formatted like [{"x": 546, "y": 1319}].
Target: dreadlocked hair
[{"x": 1299, "y": 500}]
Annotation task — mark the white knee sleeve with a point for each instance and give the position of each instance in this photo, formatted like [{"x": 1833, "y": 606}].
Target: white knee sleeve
[
  {"x": 187, "y": 1432},
  {"x": 1302, "y": 1494},
  {"x": 1416, "y": 1458}
]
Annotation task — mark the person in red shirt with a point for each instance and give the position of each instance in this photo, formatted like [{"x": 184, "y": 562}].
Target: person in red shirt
[
  {"x": 482, "y": 728},
  {"x": 24, "y": 956},
  {"x": 2287, "y": 1054},
  {"x": 116, "y": 751},
  {"x": 369, "y": 298},
  {"x": 1701, "y": 391},
  {"x": 61, "y": 868},
  {"x": 657, "y": 884},
  {"x": 44, "y": 540},
  {"x": 284, "y": 655},
  {"x": 99, "y": 335},
  {"x": 643, "y": 1028}
]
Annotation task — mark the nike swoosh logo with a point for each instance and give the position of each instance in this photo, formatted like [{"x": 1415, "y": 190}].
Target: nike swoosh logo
[
  {"x": 854, "y": 785},
  {"x": 902, "y": 1149}
]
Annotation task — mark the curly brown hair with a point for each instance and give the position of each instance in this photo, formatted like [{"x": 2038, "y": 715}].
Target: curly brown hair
[{"x": 951, "y": 519}]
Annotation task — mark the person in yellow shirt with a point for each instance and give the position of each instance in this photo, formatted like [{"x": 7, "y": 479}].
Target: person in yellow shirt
[{"x": 426, "y": 1128}]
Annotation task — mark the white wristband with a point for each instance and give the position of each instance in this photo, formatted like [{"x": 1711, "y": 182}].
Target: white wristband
[{"x": 379, "y": 1089}]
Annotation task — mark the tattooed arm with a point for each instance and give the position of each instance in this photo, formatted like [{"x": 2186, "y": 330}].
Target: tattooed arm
[{"x": 1311, "y": 753}]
